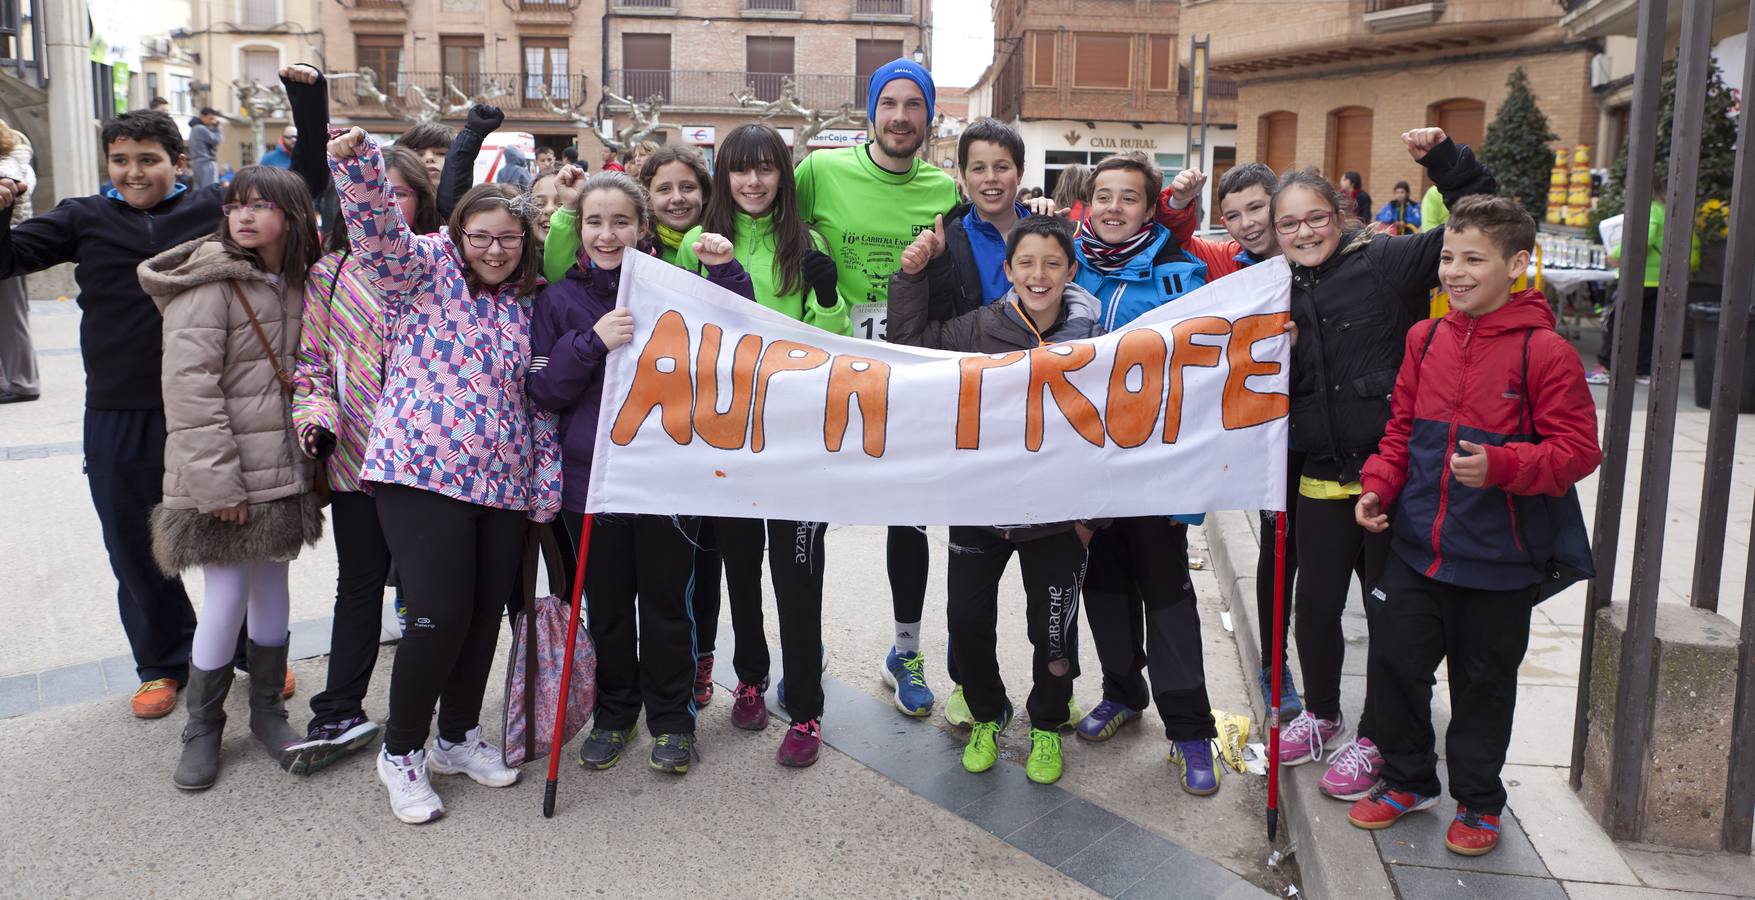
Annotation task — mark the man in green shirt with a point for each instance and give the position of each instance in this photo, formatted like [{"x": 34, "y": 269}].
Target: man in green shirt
[{"x": 868, "y": 202}]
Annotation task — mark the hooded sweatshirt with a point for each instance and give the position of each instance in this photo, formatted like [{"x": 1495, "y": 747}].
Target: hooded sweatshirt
[
  {"x": 514, "y": 169},
  {"x": 566, "y": 377},
  {"x": 754, "y": 249},
  {"x": 999, "y": 327},
  {"x": 454, "y": 418},
  {"x": 1506, "y": 381}
]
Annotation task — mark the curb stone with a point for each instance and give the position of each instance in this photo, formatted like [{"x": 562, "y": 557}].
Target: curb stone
[{"x": 1336, "y": 860}]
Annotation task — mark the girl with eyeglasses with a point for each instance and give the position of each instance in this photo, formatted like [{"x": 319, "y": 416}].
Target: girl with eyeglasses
[
  {"x": 1355, "y": 294},
  {"x": 458, "y": 457},
  {"x": 338, "y": 382},
  {"x": 237, "y": 491}
]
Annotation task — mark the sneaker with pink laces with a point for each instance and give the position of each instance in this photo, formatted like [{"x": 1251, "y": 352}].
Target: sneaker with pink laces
[
  {"x": 802, "y": 743},
  {"x": 1353, "y": 770},
  {"x": 749, "y": 709},
  {"x": 1303, "y": 740}
]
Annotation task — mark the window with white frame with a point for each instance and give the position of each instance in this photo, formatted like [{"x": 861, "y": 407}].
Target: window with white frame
[{"x": 259, "y": 13}]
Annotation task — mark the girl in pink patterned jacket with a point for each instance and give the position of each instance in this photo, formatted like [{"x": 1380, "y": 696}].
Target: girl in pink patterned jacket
[{"x": 458, "y": 457}]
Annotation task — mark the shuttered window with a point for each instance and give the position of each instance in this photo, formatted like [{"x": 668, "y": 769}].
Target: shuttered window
[
  {"x": 1042, "y": 59},
  {"x": 1102, "y": 60},
  {"x": 1279, "y": 141}
]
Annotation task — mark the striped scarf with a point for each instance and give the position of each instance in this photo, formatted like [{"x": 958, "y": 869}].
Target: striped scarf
[{"x": 1109, "y": 258}]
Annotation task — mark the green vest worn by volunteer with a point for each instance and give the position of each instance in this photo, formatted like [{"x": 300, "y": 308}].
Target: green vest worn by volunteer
[
  {"x": 753, "y": 248},
  {"x": 868, "y": 216}
]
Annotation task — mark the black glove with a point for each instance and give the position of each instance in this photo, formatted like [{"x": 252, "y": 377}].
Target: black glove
[
  {"x": 484, "y": 119},
  {"x": 321, "y": 443},
  {"x": 819, "y": 273}
]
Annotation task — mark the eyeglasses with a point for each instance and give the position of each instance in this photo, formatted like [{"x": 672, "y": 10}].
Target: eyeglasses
[
  {"x": 258, "y": 208},
  {"x": 481, "y": 240},
  {"x": 1317, "y": 221},
  {"x": 400, "y": 194}
]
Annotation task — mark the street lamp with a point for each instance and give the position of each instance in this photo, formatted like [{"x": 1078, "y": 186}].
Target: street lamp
[{"x": 919, "y": 56}]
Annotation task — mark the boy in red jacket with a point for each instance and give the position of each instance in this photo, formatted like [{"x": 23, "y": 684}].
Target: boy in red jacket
[{"x": 1490, "y": 412}]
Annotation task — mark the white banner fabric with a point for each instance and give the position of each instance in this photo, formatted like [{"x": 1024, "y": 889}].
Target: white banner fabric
[{"x": 722, "y": 407}]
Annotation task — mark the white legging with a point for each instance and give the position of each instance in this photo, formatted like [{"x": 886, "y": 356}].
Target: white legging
[{"x": 260, "y": 588}]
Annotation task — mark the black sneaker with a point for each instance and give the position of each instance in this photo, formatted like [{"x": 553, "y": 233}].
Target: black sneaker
[
  {"x": 671, "y": 753},
  {"x": 603, "y": 746},
  {"x": 327, "y": 742}
]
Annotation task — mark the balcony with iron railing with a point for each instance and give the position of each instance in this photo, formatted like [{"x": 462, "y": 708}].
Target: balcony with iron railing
[
  {"x": 520, "y": 94},
  {"x": 643, "y": 7},
  {"x": 884, "y": 10},
  {"x": 773, "y": 9},
  {"x": 701, "y": 91}
]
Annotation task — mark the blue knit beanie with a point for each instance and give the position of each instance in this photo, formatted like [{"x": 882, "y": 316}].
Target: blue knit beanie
[{"x": 890, "y": 71}]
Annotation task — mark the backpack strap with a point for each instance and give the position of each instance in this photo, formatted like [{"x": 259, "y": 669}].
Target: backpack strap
[{"x": 1529, "y": 409}]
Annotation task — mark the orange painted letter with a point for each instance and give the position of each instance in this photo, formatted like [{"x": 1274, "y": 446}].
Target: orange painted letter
[
  {"x": 1132, "y": 415},
  {"x": 724, "y": 430},
  {"x": 661, "y": 379},
  {"x": 969, "y": 370},
  {"x": 1048, "y": 369},
  {"x": 869, "y": 380},
  {"x": 1243, "y": 407},
  {"x": 780, "y": 356},
  {"x": 1185, "y": 352}
]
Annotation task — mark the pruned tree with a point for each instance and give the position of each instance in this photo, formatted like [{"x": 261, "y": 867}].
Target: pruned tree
[
  {"x": 786, "y": 103},
  {"x": 260, "y": 102},
  {"x": 1518, "y": 147}
]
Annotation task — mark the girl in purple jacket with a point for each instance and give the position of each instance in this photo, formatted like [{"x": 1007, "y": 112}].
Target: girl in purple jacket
[
  {"x": 650, "y": 557},
  {"x": 458, "y": 458}
]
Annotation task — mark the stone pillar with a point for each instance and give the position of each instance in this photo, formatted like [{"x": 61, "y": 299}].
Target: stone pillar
[
  {"x": 1694, "y": 665},
  {"x": 72, "y": 127}
]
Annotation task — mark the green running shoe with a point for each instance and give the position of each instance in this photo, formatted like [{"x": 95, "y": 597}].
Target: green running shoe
[
  {"x": 603, "y": 746},
  {"x": 957, "y": 709},
  {"x": 981, "y": 752},
  {"x": 1044, "y": 765}
]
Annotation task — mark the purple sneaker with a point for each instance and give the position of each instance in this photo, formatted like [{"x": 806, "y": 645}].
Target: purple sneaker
[
  {"x": 802, "y": 743},
  {"x": 749, "y": 709},
  {"x": 1107, "y": 719},
  {"x": 1353, "y": 770},
  {"x": 1303, "y": 739}
]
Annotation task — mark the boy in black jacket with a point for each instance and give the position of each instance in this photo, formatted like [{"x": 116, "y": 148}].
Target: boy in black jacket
[{"x": 107, "y": 236}]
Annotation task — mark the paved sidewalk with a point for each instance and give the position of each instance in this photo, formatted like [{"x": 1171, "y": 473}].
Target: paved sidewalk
[
  {"x": 1551, "y": 847},
  {"x": 887, "y": 811}
]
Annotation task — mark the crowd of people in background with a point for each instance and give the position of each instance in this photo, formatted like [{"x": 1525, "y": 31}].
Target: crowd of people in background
[{"x": 431, "y": 355}]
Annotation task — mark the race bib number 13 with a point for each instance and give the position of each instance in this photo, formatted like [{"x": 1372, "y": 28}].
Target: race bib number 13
[{"x": 869, "y": 320}]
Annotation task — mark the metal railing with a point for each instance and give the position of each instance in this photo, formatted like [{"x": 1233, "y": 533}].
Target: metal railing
[
  {"x": 772, "y": 6},
  {"x": 1372, "y": 6},
  {"x": 713, "y": 90},
  {"x": 511, "y": 90},
  {"x": 1629, "y": 742},
  {"x": 642, "y": 4},
  {"x": 881, "y": 8}
]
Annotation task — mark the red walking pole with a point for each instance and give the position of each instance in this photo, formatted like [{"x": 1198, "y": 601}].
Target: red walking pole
[
  {"x": 1273, "y": 713},
  {"x": 554, "y": 751}
]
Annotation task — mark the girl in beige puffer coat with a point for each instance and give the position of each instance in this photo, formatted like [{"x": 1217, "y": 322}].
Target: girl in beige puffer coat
[{"x": 238, "y": 498}]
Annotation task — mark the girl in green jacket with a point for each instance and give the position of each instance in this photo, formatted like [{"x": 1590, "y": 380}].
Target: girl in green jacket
[{"x": 753, "y": 201}]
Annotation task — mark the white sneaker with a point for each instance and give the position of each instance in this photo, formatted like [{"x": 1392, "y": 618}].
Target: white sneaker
[
  {"x": 474, "y": 757},
  {"x": 411, "y": 795}
]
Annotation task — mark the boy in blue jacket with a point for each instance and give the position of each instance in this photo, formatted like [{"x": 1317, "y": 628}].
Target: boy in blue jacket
[
  {"x": 1138, "y": 593},
  {"x": 107, "y": 236}
]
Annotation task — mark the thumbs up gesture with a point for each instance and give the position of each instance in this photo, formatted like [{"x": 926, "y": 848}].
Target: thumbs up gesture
[{"x": 926, "y": 246}]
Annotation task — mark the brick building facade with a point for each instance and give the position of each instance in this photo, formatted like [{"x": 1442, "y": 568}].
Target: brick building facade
[
  {"x": 695, "y": 54},
  {"x": 1337, "y": 90},
  {"x": 1083, "y": 79}
]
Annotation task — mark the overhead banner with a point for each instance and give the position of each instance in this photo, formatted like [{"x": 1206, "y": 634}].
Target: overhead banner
[{"x": 722, "y": 407}]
